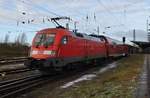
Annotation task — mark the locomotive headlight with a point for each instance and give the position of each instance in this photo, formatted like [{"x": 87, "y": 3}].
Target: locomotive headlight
[
  {"x": 50, "y": 52},
  {"x": 34, "y": 52},
  {"x": 53, "y": 52}
]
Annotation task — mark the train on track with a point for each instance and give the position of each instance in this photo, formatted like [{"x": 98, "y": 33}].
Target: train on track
[{"x": 56, "y": 48}]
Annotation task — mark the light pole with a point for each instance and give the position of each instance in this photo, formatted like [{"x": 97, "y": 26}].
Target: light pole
[
  {"x": 148, "y": 30},
  {"x": 108, "y": 27}
]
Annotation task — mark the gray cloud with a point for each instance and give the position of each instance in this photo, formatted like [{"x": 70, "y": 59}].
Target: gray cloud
[{"x": 131, "y": 13}]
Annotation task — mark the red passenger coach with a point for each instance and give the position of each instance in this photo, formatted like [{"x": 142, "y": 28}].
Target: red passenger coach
[{"x": 114, "y": 48}]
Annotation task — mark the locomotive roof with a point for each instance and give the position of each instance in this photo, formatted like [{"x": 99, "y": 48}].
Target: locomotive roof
[
  {"x": 110, "y": 40},
  {"x": 93, "y": 37},
  {"x": 52, "y": 29},
  {"x": 85, "y": 36}
]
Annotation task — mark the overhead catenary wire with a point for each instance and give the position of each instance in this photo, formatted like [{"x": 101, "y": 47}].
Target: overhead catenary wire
[
  {"x": 84, "y": 19},
  {"x": 27, "y": 26},
  {"x": 39, "y": 7},
  {"x": 9, "y": 24},
  {"x": 25, "y": 18},
  {"x": 30, "y": 3},
  {"x": 9, "y": 18},
  {"x": 108, "y": 11}
]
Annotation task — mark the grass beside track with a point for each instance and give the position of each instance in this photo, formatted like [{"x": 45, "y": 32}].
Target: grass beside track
[{"x": 120, "y": 82}]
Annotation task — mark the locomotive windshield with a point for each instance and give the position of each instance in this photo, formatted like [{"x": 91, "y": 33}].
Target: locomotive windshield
[{"x": 44, "y": 39}]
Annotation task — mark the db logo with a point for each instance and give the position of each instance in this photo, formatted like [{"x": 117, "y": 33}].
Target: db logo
[{"x": 40, "y": 52}]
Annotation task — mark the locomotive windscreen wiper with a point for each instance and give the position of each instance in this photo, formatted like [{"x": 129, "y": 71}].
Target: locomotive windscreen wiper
[
  {"x": 44, "y": 39},
  {"x": 45, "y": 44},
  {"x": 49, "y": 40},
  {"x": 39, "y": 39}
]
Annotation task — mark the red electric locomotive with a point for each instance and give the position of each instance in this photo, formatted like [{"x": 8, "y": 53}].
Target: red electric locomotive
[{"x": 57, "y": 47}]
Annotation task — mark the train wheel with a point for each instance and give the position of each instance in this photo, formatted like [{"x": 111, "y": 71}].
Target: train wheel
[{"x": 47, "y": 71}]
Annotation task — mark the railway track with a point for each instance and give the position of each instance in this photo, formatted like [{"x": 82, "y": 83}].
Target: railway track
[
  {"x": 15, "y": 86},
  {"x": 14, "y": 71},
  {"x": 12, "y": 60}
]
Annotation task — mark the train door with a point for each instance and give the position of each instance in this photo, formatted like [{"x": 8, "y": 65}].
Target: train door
[
  {"x": 106, "y": 46},
  {"x": 64, "y": 47},
  {"x": 86, "y": 48}
]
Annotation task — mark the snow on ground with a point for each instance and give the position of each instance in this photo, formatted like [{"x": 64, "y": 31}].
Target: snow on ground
[
  {"x": 90, "y": 76},
  {"x": 109, "y": 66},
  {"x": 84, "y": 77}
]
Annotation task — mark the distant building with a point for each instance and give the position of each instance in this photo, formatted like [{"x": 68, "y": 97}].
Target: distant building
[{"x": 145, "y": 46}]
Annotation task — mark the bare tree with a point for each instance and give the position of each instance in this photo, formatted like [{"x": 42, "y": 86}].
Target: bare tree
[
  {"x": 6, "y": 38},
  {"x": 17, "y": 42},
  {"x": 21, "y": 39}
]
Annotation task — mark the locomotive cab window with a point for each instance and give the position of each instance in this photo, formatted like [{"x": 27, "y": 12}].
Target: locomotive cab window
[
  {"x": 64, "y": 40},
  {"x": 44, "y": 39}
]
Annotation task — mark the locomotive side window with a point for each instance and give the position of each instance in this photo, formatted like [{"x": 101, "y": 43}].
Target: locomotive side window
[
  {"x": 102, "y": 39},
  {"x": 64, "y": 40},
  {"x": 114, "y": 43}
]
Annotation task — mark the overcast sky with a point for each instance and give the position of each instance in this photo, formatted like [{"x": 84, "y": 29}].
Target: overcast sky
[{"x": 122, "y": 16}]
